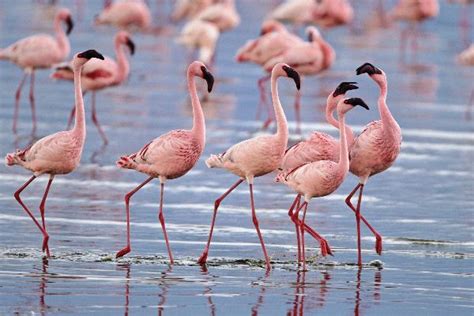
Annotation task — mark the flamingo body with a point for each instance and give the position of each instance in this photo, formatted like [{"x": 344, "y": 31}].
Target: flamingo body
[
  {"x": 415, "y": 10},
  {"x": 126, "y": 14},
  {"x": 329, "y": 13},
  {"x": 294, "y": 11},
  {"x": 202, "y": 35},
  {"x": 466, "y": 57},
  {"x": 223, "y": 15}
]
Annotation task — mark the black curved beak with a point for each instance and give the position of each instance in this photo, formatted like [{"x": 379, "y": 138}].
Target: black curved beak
[
  {"x": 310, "y": 37},
  {"x": 356, "y": 101},
  {"x": 343, "y": 87},
  {"x": 91, "y": 53},
  {"x": 294, "y": 75},
  {"x": 208, "y": 77},
  {"x": 70, "y": 25},
  {"x": 369, "y": 69},
  {"x": 130, "y": 45}
]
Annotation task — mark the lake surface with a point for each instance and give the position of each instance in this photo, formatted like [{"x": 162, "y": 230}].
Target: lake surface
[{"x": 423, "y": 205}]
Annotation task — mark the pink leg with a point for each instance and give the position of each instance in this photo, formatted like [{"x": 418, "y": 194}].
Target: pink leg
[
  {"x": 42, "y": 208},
  {"x": 255, "y": 223},
  {"x": 296, "y": 205},
  {"x": 17, "y": 102},
  {"x": 96, "y": 122},
  {"x": 17, "y": 197},
  {"x": 32, "y": 101},
  {"x": 414, "y": 41},
  {"x": 303, "y": 253},
  {"x": 298, "y": 111},
  {"x": 127, "y": 249},
  {"x": 161, "y": 217},
  {"x": 203, "y": 258},
  {"x": 469, "y": 106},
  {"x": 378, "y": 237}
]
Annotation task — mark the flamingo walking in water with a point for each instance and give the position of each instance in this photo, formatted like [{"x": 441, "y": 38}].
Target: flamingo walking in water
[
  {"x": 373, "y": 151},
  {"x": 319, "y": 146},
  {"x": 255, "y": 157},
  {"x": 125, "y": 14},
  {"x": 323, "y": 177},
  {"x": 98, "y": 75},
  {"x": 171, "y": 155},
  {"x": 59, "y": 153},
  {"x": 37, "y": 52}
]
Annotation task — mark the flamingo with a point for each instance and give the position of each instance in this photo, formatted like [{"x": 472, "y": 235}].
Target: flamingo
[
  {"x": 171, "y": 155},
  {"x": 413, "y": 11},
  {"x": 319, "y": 146},
  {"x": 125, "y": 14},
  {"x": 373, "y": 151},
  {"x": 323, "y": 177},
  {"x": 297, "y": 12},
  {"x": 37, "y": 52},
  {"x": 255, "y": 157},
  {"x": 330, "y": 13},
  {"x": 308, "y": 58},
  {"x": 58, "y": 153},
  {"x": 98, "y": 75},
  {"x": 202, "y": 35},
  {"x": 188, "y": 9},
  {"x": 224, "y": 15}
]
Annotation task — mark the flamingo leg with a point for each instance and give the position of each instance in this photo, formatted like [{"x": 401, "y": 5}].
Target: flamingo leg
[
  {"x": 203, "y": 258},
  {"x": 32, "y": 100},
  {"x": 295, "y": 204},
  {"x": 255, "y": 223},
  {"x": 303, "y": 253},
  {"x": 161, "y": 217},
  {"x": 96, "y": 121},
  {"x": 378, "y": 237},
  {"x": 127, "y": 249},
  {"x": 298, "y": 111},
  {"x": 18, "y": 198},
  {"x": 17, "y": 101},
  {"x": 42, "y": 209}
]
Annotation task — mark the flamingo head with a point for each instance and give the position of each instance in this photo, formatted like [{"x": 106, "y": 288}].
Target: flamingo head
[
  {"x": 345, "y": 105},
  {"x": 198, "y": 68},
  {"x": 375, "y": 73},
  {"x": 271, "y": 26},
  {"x": 282, "y": 69},
  {"x": 81, "y": 58},
  {"x": 123, "y": 37},
  {"x": 65, "y": 15},
  {"x": 343, "y": 87}
]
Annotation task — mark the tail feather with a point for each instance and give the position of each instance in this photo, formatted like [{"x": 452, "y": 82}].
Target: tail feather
[
  {"x": 4, "y": 54},
  {"x": 214, "y": 161},
  {"x": 126, "y": 162},
  {"x": 14, "y": 158}
]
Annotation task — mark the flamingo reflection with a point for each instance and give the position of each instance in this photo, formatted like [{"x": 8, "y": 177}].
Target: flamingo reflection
[
  {"x": 261, "y": 294},
  {"x": 376, "y": 289},
  {"x": 300, "y": 295}
]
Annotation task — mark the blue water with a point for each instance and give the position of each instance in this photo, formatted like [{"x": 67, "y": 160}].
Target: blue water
[{"x": 422, "y": 205}]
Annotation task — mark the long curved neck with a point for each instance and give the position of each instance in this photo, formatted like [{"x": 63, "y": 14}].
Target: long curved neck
[
  {"x": 388, "y": 122},
  {"x": 80, "y": 120},
  {"x": 330, "y": 108},
  {"x": 343, "y": 163},
  {"x": 123, "y": 66},
  {"x": 199, "y": 125},
  {"x": 328, "y": 53},
  {"x": 61, "y": 39},
  {"x": 282, "y": 125}
]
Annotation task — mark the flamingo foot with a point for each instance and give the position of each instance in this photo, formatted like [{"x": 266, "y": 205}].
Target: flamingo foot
[
  {"x": 378, "y": 244},
  {"x": 45, "y": 247},
  {"x": 123, "y": 252},
  {"x": 203, "y": 258}
]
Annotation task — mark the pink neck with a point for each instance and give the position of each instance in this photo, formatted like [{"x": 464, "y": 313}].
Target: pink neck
[
  {"x": 389, "y": 123},
  {"x": 199, "y": 125},
  {"x": 282, "y": 125},
  {"x": 123, "y": 65},
  {"x": 343, "y": 163},
  {"x": 61, "y": 39},
  {"x": 80, "y": 121},
  {"x": 330, "y": 108}
]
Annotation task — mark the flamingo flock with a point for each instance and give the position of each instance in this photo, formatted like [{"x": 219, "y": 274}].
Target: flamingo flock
[{"x": 313, "y": 167}]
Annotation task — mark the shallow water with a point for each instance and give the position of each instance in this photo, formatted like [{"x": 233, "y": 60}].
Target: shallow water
[{"x": 422, "y": 205}]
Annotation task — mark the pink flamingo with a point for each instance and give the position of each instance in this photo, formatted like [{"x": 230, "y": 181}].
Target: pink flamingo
[
  {"x": 323, "y": 177},
  {"x": 171, "y": 155},
  {"x": 98, "y": 75},
  {"x": 188, "y": 9},
  {"x": 319, "y": 146},
  {"x": 126, "y": 14},
  {"x": 297, "y": 12},
  {"x": 255, "y": 157},
  {"x": 58, "y": 153},
  {"x": 36, "y": 52},
  {"x": 223, "y": 14},
  {"x": 413, "y": 11},
  {"x": 201, "y": 35},
  {"x": 308, "y": 58},
  {"x": 374, "y": 150},
  {"x": 330, "y": 13}
]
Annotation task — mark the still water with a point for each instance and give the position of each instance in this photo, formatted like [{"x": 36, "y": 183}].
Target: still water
[{"x": 422, "y": 205}]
